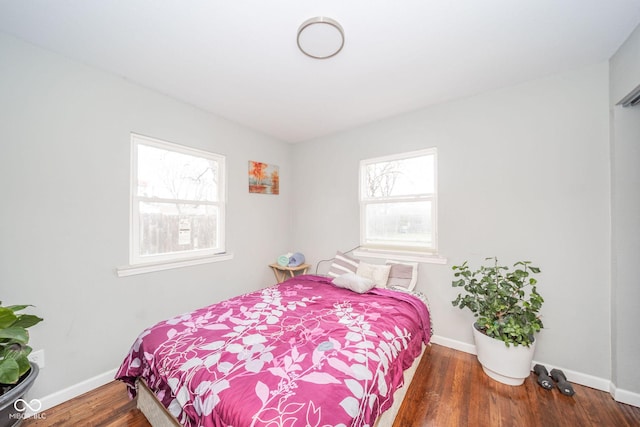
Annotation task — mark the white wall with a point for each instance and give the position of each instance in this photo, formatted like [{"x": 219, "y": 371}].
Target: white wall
[
  {"x": 64, "y": 168},
  {"x": 523, "y": 174},
  {"x": 625, "y": 202}
]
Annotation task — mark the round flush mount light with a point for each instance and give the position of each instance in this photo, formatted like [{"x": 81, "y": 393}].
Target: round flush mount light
[{"x": 320, "y": 37}]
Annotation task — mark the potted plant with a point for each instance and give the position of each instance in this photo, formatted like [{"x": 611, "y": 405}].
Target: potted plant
[
  {"x": 506, "y": 305},
  {"x": 17, "y": 374}
]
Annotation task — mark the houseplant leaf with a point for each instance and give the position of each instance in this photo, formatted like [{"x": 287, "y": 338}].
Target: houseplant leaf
[
  {"x": 505, "y": 301},
  {"x": 15, "y": 335},
  {"x": 9, "y": 371},
  {"x": 27, "y": 320},
  {"x": 14, "y": 338},
  {"x": 7, "y": 317}
]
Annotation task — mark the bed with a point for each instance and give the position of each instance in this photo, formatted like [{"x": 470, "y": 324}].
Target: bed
[{"x": 304, "y": 352}]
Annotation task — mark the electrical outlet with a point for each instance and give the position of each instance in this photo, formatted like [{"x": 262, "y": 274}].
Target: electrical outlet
[{"x": 37, "y": 357}]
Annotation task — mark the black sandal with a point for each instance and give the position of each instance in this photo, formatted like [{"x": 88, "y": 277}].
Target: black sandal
[
  {"x": 543, "y": 377},
  {"x": 563, "y": 385}
]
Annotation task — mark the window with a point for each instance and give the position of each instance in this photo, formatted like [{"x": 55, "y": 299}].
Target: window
[
  {"x": 398, "y": 202},
  {"x": 177, "y": 202}
]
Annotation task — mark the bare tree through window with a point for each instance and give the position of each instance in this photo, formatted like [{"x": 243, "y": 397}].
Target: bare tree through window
[
  {"x": 177, "y": 209},
  {"x": 398, "y": 201}
]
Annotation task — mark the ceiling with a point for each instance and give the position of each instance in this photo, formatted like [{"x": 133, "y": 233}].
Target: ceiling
[{"x": 239, "y": 59}]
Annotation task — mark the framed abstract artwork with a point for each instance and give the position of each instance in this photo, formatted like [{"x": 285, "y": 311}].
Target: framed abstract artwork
[{"x": 264, "y": 178}]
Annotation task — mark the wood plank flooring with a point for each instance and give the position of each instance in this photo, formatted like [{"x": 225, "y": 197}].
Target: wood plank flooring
[{"x": 449, "y": 389}]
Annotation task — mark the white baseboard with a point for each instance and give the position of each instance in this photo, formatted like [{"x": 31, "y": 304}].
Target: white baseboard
[
  {"x": 454, "y": 344},
  {"x": 625, "y": 396},
  {"x": 622, "y": 396},
  {"x": 53, "y": 399}
]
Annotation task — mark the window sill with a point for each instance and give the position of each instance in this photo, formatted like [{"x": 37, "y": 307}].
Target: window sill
[
  {"x": 131, "y": 270},
  {"x": 401, "y": 256}
]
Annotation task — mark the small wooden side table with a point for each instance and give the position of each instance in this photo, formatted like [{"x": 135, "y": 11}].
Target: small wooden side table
[{"x": 281, "y": 272}]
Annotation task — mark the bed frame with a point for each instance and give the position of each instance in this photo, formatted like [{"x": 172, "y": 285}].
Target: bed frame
[{"x": 159, "y": 416}]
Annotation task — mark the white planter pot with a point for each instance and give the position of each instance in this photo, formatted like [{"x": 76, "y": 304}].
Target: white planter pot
[{"x": 508, "y": 365}]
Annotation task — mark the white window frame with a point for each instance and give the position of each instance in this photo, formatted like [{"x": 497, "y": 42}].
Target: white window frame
[
  {"x": 404, "y": 252},
  {"x": 174, "y": 259}
]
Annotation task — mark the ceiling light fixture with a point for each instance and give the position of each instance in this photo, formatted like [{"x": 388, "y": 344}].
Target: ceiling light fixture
[{"x": 320, "y": 37}]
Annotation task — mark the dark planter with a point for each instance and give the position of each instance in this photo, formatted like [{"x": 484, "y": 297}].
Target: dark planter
[{"x": 9, "y": 415}]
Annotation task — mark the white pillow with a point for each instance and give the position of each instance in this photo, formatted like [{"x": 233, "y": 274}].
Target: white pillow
[
  {"x": 403, "y": 274},
  {"x": 378, "y": 273},
  {"x": 342, "y": 263},
  {"x": 354, "y": 282}
]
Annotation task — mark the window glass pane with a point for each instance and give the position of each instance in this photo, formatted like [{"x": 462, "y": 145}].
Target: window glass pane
[
  {"x": 172, "y": 227},
  {"x": 400, "y": 177},
  {"x": 400, "y": 224},
  {"x": 172, "y": 175}
]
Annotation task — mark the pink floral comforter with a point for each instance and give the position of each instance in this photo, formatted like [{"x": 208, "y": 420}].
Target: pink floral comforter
[{"x": 301, "y": 353}]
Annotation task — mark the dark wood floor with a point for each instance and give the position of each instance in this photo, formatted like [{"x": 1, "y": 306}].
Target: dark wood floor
[{"x": 449, "y": 389}]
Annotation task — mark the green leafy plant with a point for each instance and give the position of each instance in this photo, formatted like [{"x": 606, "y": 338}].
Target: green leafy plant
[
  {"x": 14, "y": 338},
  {"x": 505, "y": 301}
]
